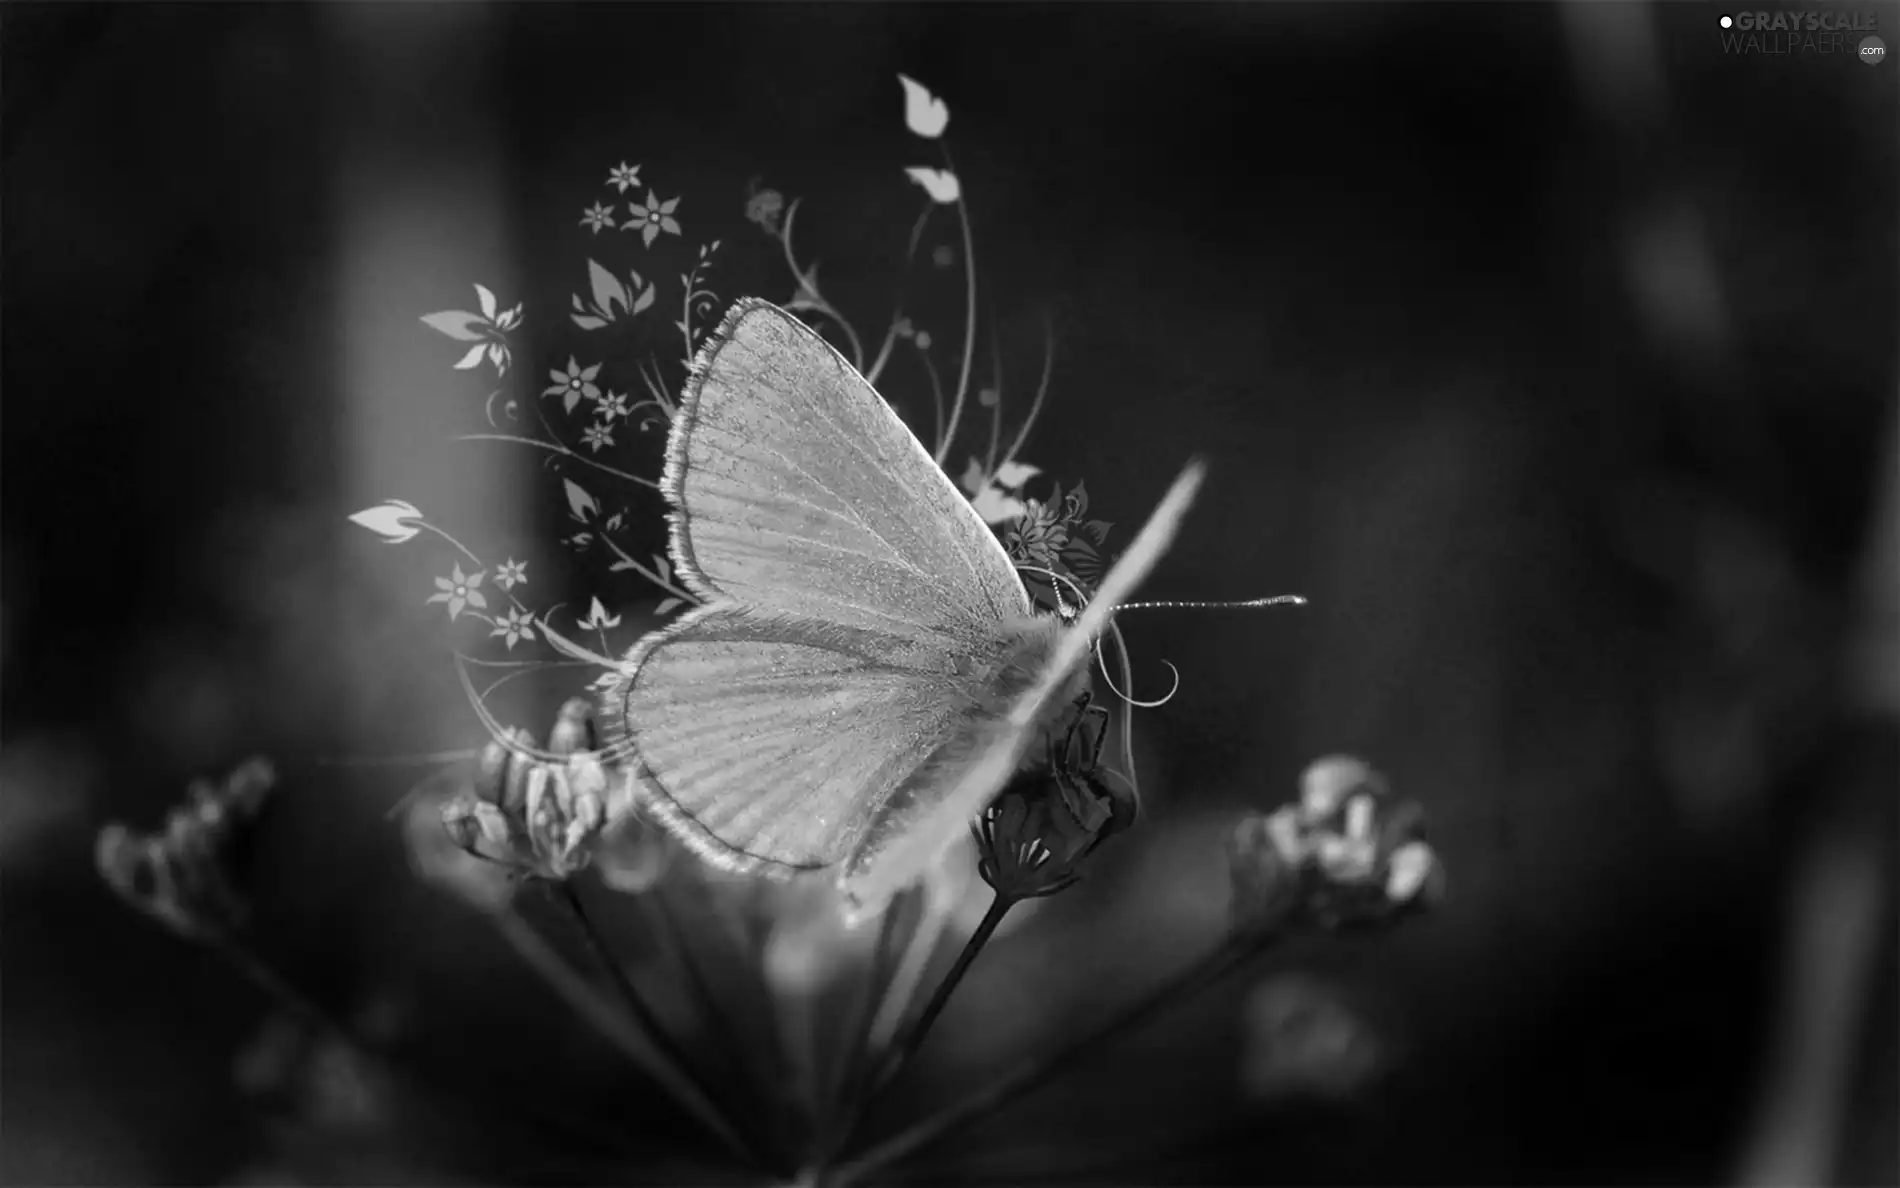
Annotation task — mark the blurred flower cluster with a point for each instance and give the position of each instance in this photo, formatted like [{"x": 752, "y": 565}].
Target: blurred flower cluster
[{"x": 799, "y": 1014}]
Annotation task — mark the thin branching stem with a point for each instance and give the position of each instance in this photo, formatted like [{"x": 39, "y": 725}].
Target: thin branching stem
[
  {"x": 969, "y": 317},
  {"x": 884, "y": 348},
  {"x": 701, "y": 1099},
  {"x": 912, "y": 1037},
  {"x": 857, "y": 1079},
  {"x": 1035, "y": 1071},
  {"x": 996, "y": 405},
  {"x": 1035, "y": 406},
  {"x": 936, "y": 397},
  {"x": 627, "y": 561},
  {"x": 562, "y": 450},
  {"x": 275, "y": 986},
  {"x": 808, "y": 289}
]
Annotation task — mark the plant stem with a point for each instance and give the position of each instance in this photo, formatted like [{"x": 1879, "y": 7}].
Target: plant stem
[
  {"x": 700, "y": 1100},
  {"x": 969, "y": 315},
  {"x": 884, "y": 1070},
  {"x": 275, "y": 986},
  {"x": 1033, "y": 1072},
  {"x": 562, "y": 450},
  {"x": 913, "y": 1037}
]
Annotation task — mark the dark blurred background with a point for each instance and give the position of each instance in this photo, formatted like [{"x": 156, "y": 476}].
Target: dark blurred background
[{"x": 1547, "y": 349}]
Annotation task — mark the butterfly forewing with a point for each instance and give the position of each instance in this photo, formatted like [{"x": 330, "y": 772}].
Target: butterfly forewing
[{"x": 796, "y": 489}]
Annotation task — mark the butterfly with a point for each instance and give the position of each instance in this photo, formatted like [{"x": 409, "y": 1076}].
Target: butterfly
[{"x": 866, "y": 670}]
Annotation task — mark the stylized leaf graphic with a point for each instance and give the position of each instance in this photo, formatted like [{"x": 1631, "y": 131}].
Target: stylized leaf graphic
[
  {"x": 607, "y": 290},
  {"x": 473, "y": 357},
  {"x": 579, "y": 501},
  {"x": 1012, "y": 475},
  {"x": 597, "y": 616},
  {"x": 488, "y": 302},
  {"x": 940, "y": 184},
  {"x": 391, "y": 520},
  {"x": 924, "y": 113},
  {"x": 456, "y": 323}
]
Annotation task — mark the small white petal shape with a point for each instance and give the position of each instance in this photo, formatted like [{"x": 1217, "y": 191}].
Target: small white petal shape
[
  {"x": 1410, "y": 868},
  {"x": 390, "y": 520},
  {"x": 940, "y": 184},
  {"x": 997, "y": 506},
  {"x": 488, "y": 301},
  {"x": 924, "y": 113},
  {"x": 473, "y": 357},
  {"x": 1326, "y": 782}
]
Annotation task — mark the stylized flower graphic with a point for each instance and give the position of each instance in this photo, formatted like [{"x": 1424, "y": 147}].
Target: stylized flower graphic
[
  {"x": 511, "y": 573},
  {"x": 459, "y": 591},
  {"x": 487, "y": 330},
  {"x": 597, "y": 216},
  {"x": 515, "y": 626},
  {"x": 613, "y": 405},
  {"x": 652, "y": 217},
  {"x": 623, "y": 177},
  {"x": 597, "y": 436},
  {"x": 573, "y": 385},
  {"x": 1038, "y": 536},
  {"x": 395, "y": 520}
]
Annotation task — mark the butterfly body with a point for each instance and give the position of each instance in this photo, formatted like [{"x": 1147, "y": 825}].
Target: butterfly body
[{"x": 863, "y": 642}]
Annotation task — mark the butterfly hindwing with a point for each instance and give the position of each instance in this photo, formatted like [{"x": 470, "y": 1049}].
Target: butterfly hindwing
[{"x": 775, "y": 741}]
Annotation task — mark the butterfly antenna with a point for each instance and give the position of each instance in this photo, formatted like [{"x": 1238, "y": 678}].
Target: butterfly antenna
[
  {"x": 1276, "y": 600},
  {"x": 1056, "y": 582},
  {"x": 1128, "y": 712},
  {"x": 1121, "y": 691}
]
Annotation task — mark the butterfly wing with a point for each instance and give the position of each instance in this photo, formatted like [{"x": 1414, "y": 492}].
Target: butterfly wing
[
  {"x": 773, "y": 742},
  {"x": 848, "y": 586},
  {"x": 796, "y": 490}
]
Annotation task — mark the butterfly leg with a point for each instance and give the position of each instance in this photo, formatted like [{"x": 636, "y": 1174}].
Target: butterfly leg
[{"x": 1084, "y": 706}]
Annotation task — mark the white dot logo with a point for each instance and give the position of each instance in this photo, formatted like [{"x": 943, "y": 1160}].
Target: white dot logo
[
  {"x": 1726, "y": 21},
  {"x": 1873, "y": 51}
]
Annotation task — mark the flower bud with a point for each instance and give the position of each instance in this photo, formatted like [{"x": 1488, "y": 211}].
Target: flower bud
[
  {"x": 540, "y": 816},
  {"x": 1035, "y": 834},
  {"x": 450, "y": 843}
]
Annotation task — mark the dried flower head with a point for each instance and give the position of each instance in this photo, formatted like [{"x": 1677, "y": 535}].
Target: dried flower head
[
  {"x": 184, "y": 875},
  {"x": 1033, "y": 837},
  {"x": 538, "y": 816}
]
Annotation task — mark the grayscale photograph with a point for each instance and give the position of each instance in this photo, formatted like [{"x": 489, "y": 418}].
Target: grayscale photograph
[{"x": 852, "y": 594}]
